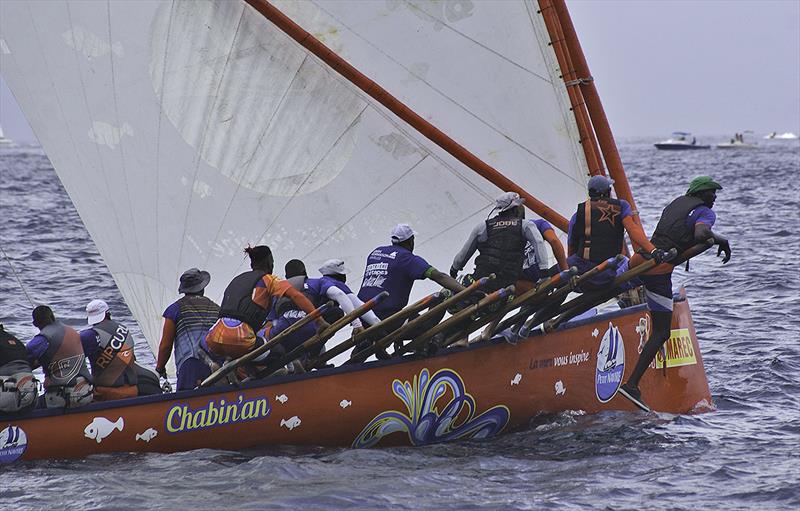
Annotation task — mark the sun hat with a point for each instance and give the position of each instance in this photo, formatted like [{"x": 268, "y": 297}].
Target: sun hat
[
  {"x": 333, "y": 267},
  {"x": 194, "y": 281},
  {"x": 96, "y": 311},
  {"x": 701, "y": 183},
  {"x": 508, "y": 200}
]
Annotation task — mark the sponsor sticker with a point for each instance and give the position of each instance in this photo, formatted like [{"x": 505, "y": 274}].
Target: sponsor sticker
[
  {"x": 181, "y": 418},
  {"x": 13, "y": 442},
  {"x": 679, "y": 349},
  {"x": 610, "y": 364}
]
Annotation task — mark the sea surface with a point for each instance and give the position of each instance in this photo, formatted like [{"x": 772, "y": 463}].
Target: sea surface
[{"x": 744, "y": 455}]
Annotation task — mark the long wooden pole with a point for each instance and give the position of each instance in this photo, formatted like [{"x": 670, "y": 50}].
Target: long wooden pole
[
  {"x": 578, "y": 104},
  {"x": 382, "y": 96},
  {"x": 596, "y": 112}
]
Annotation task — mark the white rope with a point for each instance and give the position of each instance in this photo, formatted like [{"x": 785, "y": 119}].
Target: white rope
[{"x": 16, "y": 276}]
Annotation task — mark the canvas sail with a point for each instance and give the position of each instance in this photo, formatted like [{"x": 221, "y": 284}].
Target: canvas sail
[{"x": 185, "y": 130}]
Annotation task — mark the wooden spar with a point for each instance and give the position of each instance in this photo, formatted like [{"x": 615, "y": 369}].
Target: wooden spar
[
  {"x": 588, "y": 140},
  {"x": 598, "y": 116},
  {"x": 379, "y": 94}
]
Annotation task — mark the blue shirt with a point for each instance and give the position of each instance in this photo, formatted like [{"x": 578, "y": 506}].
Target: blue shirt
[
  {"x": 394, "y": 269},
  {"x": 319, "y": 287},
  {"x": 701, "y": 214},
  {"x": 38, "y": 346}
]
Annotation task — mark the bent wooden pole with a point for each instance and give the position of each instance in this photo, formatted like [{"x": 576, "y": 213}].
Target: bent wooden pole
[
  {"x": 398, "y": 334},
  {"x": 320, "y": 338},
  {"x": 395, "y": 319},
  {"x": 235, "y": 364},
  {"x": 419, "y": 123}
]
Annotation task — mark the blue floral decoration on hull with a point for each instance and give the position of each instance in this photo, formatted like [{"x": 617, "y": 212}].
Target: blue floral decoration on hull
[{"x": 425, "y": 424}]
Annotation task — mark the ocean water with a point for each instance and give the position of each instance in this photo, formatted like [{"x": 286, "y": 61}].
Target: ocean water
[{"x": 744, "y": 455}]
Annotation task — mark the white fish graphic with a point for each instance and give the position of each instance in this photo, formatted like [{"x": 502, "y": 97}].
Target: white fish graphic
[
  {"x": 345, "y": 403},
  {"x": 517, "y": 379},
  {"x": 595, "y": 332},
  {"x": 101, "y": 427},
  {"x": 282, "y": 398},
  {"x": 291, "y": 423},
  {"x": 91, "y": 45},
  {"x": 148, "y": 435},
  {"x": 560, "y": 388},
  {"x": 103, "y": 133}
]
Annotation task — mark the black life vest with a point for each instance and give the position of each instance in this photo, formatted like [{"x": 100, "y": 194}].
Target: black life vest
[
  {"x": 671, "y": 231},
  {"x": 598, "y": 233},
  {"x": 64, "y": 360},
  {"x": 12, "y": 352},
  {"x": 113, "y": 364},
  {"x": 237, "y": 302},
  {"x": 503, "y": 252}
]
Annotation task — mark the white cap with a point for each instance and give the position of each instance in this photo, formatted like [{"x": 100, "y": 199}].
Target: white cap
[
  {"x": 402, "y": 232},
  {"x": 508, "y": 200},
  {"x": 333, "y": 267},
  {"x": 96, "y": 311}
]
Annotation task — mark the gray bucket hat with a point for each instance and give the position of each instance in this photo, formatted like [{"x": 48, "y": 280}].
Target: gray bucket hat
[{"x": 194, "y": 281}]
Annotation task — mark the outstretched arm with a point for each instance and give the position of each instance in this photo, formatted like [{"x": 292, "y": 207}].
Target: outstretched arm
[
  {"x": 637, "y": 235},
  {"x": 702, "y": 232},
  {"x": 469, "y": 248},
  {"x": 165, "y": 346},
  {"x": 443, "y": 280},
  {"x": 558, "y": 249}
]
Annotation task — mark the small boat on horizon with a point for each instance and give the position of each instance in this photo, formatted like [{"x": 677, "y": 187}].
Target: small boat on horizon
[
  {"x": 6, "y": 142},
  {"x": 680, "y": 141},
  {"x": 783, "y": 136},
  {"x": 737, "y": 142}
]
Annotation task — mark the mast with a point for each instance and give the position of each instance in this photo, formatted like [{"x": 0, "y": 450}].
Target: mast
[
  {"x": 379, "y": 94},
  {"x": 598, "y": 117}
]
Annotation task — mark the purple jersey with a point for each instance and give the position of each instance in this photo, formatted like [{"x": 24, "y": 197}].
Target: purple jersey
[
  {"x": 319, "y": 287},
  {"x": 393, "y": 269},
  {"x": 701, "y": 214},
  {"x": 544, "y": 225},
  {"x": 173, "y": 312}
]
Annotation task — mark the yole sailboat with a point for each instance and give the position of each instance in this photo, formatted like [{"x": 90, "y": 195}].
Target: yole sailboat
[{"x": 184, "y": 130}]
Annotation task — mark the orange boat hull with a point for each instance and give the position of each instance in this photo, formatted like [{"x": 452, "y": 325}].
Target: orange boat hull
[{"x": 476, "y": 392}]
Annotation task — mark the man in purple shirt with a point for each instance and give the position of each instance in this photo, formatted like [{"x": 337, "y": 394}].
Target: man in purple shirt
[{"x": 394, "y": 268}]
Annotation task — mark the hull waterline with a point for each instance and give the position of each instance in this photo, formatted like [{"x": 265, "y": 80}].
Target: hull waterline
[{"x": 476, "y": 392}]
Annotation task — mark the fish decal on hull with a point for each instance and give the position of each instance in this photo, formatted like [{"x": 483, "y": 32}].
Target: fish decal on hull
[
  {"x": 439, "y": 410},
  {"x": 147, "y": 435},
  {"x": 344, "y": 403},
  {"x": 291, "y": 423},
  {"x": 281, "y": 399},
  {"x": 101, "y": 427}
]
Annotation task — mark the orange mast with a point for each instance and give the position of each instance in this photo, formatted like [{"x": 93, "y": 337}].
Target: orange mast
[
  {"x": 424, "y": 127},
  {"x": 598, "y": 116}
]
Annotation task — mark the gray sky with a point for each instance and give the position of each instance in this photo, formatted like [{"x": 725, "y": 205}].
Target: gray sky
[{"x": 708, "y": 66}]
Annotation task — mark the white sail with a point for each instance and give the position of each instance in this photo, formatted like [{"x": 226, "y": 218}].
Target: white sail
[{"x": 185, "y": 130}]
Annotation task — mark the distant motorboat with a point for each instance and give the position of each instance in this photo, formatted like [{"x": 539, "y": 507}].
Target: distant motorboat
[
  {"x": 783, "y": 136},
  {"x": 680, "y": 141},
  {"x": 737, "y": 142}
]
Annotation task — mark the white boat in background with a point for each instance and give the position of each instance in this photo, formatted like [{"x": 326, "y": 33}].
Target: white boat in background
[
  {"x": 737, "y": 142},
  {"x": 680, "y": 140},
  {"x": 783, "y": 136},
  {"x": 5, "y": 142}
]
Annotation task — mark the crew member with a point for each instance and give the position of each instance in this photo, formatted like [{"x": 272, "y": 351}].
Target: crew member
[
  {"x": 58, "y": 349},
  {"x": 109, "y": 347},
  {"x": 17, "y": 385},
  {"x": 501, "y": 244},
  {"x": 685, "y": 222},
  {"x": 597, "y": 230},
  {"x": 247, "y": 302},
  {"x": 186, "y": 324}
]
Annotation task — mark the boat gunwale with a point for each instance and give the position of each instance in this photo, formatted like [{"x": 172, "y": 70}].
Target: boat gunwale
[{"x": 289, "y": 378}]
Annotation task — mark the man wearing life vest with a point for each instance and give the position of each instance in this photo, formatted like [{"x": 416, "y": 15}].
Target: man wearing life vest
[
  {"x": 247, "y": 302},
  {"x": 58, "y": 349},
  {"x": 17, "y": 385},
  {"x": 597, "y": 230},
  {"x": 109, "y": 347},
  {"x": 186, "y": 323},
  {"x": 501, "y": 244},
  {"x": 685, "y": 222}
]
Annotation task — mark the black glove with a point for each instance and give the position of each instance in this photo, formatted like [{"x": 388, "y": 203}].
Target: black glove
[
  {"x": 162, "y": 371},
  {"x": 658, "y": 255},
  {"x": 453, "y": 272},
  {"x": 725, "y": 247}
]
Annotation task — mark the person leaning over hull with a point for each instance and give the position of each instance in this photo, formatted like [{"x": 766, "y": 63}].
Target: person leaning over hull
[
  {"x": 109, "y": 347},
  {"x": 597, "y": 233},
  {"x": 186, "y": 323},
  {"x": 17, "y": 385},
  {"x": 501, "y": 244},
  {"x": 246, "y": 304},
  {"x": 685, "y": 222},
  {"x": 331, "y": 286},
  {"x": 58, "y": 349}
]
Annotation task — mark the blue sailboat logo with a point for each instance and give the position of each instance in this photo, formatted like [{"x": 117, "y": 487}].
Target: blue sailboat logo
[
  {"x": 610, "y": 364},
  {"x": 13, "y": 442}
]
